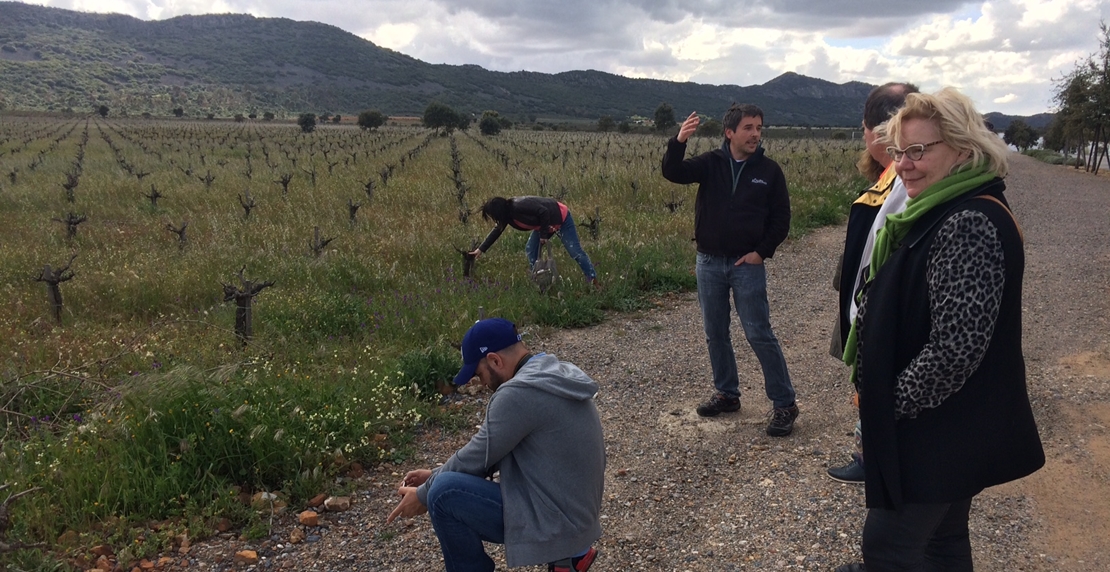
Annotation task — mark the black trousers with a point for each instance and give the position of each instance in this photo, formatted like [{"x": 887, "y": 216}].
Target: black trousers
[{"x": 918, "y": 538}]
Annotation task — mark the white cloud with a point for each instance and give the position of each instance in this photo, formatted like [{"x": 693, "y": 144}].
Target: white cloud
[{"x": 394, "y": 36}]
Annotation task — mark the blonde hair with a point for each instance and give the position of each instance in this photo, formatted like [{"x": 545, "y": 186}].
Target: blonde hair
[
  {"x": 960, "y": 125},
  {"x": 867, "y": 165},
  {"x": 870, "y": 168}
]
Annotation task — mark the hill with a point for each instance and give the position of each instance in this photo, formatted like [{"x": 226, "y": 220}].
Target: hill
[
  {"x": 1002, "y": 121},
  {"x": 53, "y": 59}
]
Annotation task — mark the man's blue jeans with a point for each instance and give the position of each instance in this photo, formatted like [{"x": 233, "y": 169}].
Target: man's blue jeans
[
  {"x": 568, "y": 234},
  {"x": 465, "y": 510},
  {"x": 717, "y": 275}
]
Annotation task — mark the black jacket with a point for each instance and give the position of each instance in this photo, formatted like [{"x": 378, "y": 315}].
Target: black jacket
[
  {"x": 861, "y": 216},
  {"x": 982, "y": 435},
  {"x": 541, "y": 214},
  {"x": 752, "y": 217}
]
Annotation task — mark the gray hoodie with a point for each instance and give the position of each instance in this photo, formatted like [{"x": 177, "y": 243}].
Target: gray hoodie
[{"x": 543, "y": 433}]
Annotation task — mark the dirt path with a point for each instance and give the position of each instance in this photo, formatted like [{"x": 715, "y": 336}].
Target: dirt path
[
  {"x": 1066, "y": 219},
  {"x": 686, "y": 493}
]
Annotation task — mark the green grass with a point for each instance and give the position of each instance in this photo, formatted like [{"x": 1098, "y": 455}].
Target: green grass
[
  {"x": 142, "y": 405},
  {"x": 1050, "y": 157}
]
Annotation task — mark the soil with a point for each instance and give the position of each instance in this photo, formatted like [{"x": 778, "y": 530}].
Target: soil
[{"x": 687, "y": 493}]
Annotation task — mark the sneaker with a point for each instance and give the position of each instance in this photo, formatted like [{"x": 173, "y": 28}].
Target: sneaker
[
  {"x": 719, "y": 403},
  {"x": 852, "y": 473},
  {"x": 854, "y": 567},
  {"x": 782, "y": 421},
  {"x": 576, "y": 564}
]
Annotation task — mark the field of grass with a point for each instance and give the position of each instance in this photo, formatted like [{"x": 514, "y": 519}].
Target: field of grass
[{"x": 141, "y": 403}]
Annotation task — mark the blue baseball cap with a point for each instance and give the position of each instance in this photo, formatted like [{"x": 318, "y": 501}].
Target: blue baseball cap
[{"x": 485, "y": 336}]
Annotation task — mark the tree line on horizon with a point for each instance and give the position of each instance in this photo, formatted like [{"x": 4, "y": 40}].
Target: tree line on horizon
[{"x": 1081, "y": 128}]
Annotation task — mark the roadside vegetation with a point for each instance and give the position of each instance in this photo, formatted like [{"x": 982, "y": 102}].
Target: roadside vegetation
[{"x": 132, "y": 390}]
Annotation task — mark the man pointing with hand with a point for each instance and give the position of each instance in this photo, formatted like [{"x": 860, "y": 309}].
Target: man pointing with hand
[{"x": 742, "y": 214}]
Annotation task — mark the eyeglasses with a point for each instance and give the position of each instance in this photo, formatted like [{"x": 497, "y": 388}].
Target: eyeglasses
[{"x": 914, "y": 152}]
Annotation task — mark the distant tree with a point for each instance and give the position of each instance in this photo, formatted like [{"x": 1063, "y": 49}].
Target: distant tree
[
  {"x": 239, "y": 118},
  {"x": 147, "y": 115},
  {"x": 606, "y": 123},
  {"x": 337, "y": 118},
  {"x": 440, "y": 116},
  {"x": 1054, "y": 137},
  {"x": 664, "y": 117},
  {"x": 268, "y": 116},
  {"x": 489, "y": 126},
  {"x": 710, "y": 128},
  {"x": 325, "y": 117},
  {"x": 178, "y": 112},
  {"x": 1020, "y": 135},
  {"x": 624, "y": 126},
  {"x": 1083, "y": 105},
  {"x": 490, "y": 123},
  {"x": 463, "y": 121},
  {"x": 307, "y": 121},
  {"x": 371, "y": 119},
  {"x": 102, "y": 110},
  {"x": 253, "y": 116}
]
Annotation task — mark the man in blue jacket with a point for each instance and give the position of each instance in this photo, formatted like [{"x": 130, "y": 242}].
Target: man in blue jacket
[
  {"x": 742, "y": 214},
  {"x": 543, "y": 434}
]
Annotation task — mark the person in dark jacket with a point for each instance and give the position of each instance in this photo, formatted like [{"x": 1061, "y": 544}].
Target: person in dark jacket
[
  {"x": 937, "y": 343},
  {"x": 542, "y": 432},
  {"x": 865, "y": 217},
  {"x": 544, "y": 217},
  {"x": 741, "y": 215}
]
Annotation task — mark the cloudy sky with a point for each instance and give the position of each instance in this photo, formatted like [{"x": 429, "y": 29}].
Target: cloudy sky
[{"x": 1003, "y": 53}]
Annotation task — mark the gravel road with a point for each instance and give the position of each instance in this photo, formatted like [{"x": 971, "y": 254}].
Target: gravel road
[{"x": 685, "y": 493}]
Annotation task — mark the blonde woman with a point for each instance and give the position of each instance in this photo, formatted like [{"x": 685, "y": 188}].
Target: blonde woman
[{"x": 937, "y": 342}]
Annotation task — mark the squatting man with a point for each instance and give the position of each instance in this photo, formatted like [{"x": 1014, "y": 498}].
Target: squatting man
[{"x": 543, "y": 434}]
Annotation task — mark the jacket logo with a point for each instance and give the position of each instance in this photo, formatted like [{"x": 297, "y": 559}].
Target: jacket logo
[{"x": 760, "y": 181}]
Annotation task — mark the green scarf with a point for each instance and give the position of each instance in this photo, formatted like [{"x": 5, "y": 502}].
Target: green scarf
[{"x": 898, "y": 225}]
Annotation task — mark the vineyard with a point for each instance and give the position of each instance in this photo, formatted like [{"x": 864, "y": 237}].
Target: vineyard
[{"x": 190, "y": 307}]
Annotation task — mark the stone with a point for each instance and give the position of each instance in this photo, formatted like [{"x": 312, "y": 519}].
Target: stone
[
  {"x": 246, "y": 557},
  {"x": 104, "y": 564},
  {"x": 69, "y": 538},
  {"x": 296, "y": 536},
  {"x": 337, "y": 504},
  {"x": 317, "y": 500},
  {"x": 263, "y": 500},
  {"x": 355, "y": 471},
  {"x": 164, "y": 561},
  {"x": 102, "y": 550},
  {"x": 183, "y": 544},
  {"x": 223, "y": 525},
  {"x": 146, "y": 565},
  {"x": 309, "y": 518}
]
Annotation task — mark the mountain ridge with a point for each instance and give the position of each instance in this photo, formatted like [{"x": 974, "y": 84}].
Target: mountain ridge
[{"x": 54, "y": 59}]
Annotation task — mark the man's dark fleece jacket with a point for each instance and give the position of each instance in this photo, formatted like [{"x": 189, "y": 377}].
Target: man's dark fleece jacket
[{"x": 741, "y": 207}]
